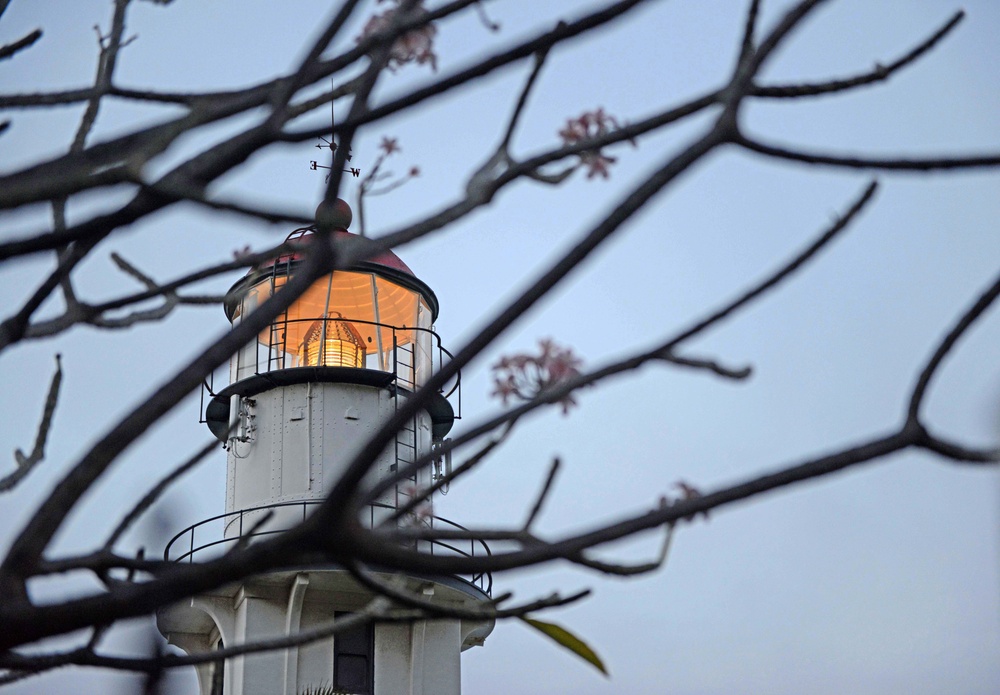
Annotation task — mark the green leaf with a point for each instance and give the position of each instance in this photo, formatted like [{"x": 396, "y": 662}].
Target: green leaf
[{"x": 565, "y": 638}]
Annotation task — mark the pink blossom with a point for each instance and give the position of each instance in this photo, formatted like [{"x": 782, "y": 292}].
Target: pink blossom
[
  {"x": 588, "y": 126},
  {"x": 415, "y": 46},
  {"x": 596, "y": 163},
  {"x": 504, "y": 388},
  {"x": 390, "y": 145},
  {"x": 525, "y": 376}
]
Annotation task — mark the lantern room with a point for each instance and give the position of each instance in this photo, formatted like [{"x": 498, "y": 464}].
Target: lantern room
[
  {"x": 374, "y": 316},
  {"x": 371, "y": 324}
]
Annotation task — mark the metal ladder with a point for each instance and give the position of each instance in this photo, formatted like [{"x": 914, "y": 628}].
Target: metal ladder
[{"x": 406, "y": 436}]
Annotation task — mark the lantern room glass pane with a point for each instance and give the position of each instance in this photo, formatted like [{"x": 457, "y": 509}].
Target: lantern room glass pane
[{"x": 346, "y": 319}]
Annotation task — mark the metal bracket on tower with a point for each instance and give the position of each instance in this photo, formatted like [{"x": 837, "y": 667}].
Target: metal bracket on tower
[
  {"x": 242, "y": 419},
  {"x": 441, "y": 465}
]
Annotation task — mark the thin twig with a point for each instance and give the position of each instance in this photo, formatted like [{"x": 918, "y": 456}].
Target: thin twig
[
  {"x": 156, "y": 491},
  {"x": 131, "y": 270},
  {"x": 25, "y": 463},
  {"x": 178, "y": 190},
  {"x": 542, "y": 494},
  {"x": 456, "y": 472},
  {"x": 522, "y": 99},
  {"x": 737, "y": 374},
  {"x": 785, "y": 271},
  {"x": 880, "y": 73},
  {"x": 244, "y": 540},
  {"x": 946, "y": 163},
  {"x": 628, "y": 570},
  {"x": 7, "y": 50},
  {"x": 959, "y": 453},
  {"x": 101, "y": 562},
  {"x": 749, "y": 28},
  {"x": 436, "y": 608},
  {"x": 92, "y": 313},
  {"x": 944, "y": 348}
]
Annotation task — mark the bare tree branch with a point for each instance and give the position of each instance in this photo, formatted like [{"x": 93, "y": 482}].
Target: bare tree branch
[
  {"x": 154, "y": 494},
  {"x": 445, "y": 480},
  {"x": 947, "y": 344},
  {"x": 542, "y": 494},
  {"x": 36, "y": 535},
  {"x": 92, "y": 313},
  {"x": 8, "y": 50},
  {"x": 880, "y": 73},
  {"x": 749, "y": 29},
  {"x": 877, "y": 163},
  {"x": 414, "y": 600},
  {"x": 959, "y": 453},
  {"x": 31, "y": 542},
  {"x": 25, "y": 463}
]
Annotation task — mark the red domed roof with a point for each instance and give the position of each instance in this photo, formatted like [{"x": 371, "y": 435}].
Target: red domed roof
[
  {"x": 336, "y": 216},
  {"x": 305, "y": 236},
  {"x": 336, "y": 213}
]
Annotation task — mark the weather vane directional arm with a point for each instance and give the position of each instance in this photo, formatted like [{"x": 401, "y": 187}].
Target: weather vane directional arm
[{"x": 332, "y": 146}]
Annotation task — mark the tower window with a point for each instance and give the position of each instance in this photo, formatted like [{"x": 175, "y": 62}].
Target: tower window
[{"x": 353, "y": 658}]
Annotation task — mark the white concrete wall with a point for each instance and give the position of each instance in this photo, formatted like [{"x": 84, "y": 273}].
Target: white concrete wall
[
  {"x": 418, "y": 659},
  {"x": 256, "y": 674},
  {"x": 303, "y": 437}
]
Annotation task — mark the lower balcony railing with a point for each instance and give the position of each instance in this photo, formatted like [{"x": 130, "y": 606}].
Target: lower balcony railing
[{"x": 227, "y": 530}]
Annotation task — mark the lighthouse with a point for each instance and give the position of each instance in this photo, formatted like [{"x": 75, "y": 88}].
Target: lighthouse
[{"x": 301, "y": 399}]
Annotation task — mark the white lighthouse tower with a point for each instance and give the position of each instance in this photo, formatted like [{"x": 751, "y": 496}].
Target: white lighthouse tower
[{"x": 301, "y": 399}]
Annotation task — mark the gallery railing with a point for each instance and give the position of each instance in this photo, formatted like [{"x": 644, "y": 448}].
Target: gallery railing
[{"x": 228, "y": 530}]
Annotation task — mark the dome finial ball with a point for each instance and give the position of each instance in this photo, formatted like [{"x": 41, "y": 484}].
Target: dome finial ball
[{"x": 334, "y": 214}]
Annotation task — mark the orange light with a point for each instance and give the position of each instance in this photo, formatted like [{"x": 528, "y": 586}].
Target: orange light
[{"x": 332, "y": 343}]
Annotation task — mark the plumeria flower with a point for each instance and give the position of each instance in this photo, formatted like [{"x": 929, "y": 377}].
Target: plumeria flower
[
  {"x": 415, "y": 46},
  {"x": 596, "y": 163},
  {"x": 523, "y": 376},
  {"x": 588, "y": 126},
  {"x": 389, "y": 145}
]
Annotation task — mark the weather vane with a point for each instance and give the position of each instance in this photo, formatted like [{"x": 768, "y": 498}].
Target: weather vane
[{"x": 332, "y": 145}]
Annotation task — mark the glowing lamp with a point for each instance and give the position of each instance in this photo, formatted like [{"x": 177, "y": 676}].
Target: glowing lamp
[{"x": 332, "y": 343}]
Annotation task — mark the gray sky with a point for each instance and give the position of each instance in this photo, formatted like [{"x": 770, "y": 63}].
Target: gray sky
[{"x": 883, "y": 579}]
